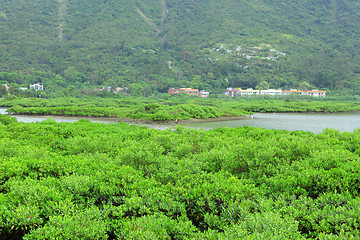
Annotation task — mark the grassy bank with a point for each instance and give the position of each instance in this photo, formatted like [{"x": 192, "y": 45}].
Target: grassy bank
[
  {"x": 172, "y": 108},
  {"x": 142, "y": 108}
]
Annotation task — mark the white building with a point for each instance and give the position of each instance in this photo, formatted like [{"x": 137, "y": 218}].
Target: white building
[
  {"x": 233, "y": 92},
  {"x": 204, "y": 93},
  {"x": 271, "y": 92},
  {"x": 313, "y": 93},
  {"x": 247, "y": 92},
  {"x": 37, "y": 87}
]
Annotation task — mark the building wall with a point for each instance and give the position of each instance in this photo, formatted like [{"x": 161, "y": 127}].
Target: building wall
[{"x": 272, "y": 92}]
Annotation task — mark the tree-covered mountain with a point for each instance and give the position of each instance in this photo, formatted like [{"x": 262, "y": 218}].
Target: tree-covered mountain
[{"x": 151, "y": 45}]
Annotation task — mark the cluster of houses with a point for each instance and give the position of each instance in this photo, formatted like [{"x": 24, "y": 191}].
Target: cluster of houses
[
  {"x": 36, "y": 87},
  {"x": 190, "y": 91},
  {"x": 239, "y": 92}
]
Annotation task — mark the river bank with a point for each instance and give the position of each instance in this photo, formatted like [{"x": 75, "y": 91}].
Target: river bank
[
  {"x": 161, "y": 125},
  {"x": 169, "y": 109},
  {"x": 311, "y": 122},
  {"x": 188, "y": 121}
]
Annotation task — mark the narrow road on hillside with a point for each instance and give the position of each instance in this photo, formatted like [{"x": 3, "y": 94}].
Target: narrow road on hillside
[{"x": 148, "y": 20}]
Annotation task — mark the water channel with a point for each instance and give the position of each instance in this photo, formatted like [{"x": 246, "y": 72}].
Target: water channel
[{"x": 313, "y": 122}]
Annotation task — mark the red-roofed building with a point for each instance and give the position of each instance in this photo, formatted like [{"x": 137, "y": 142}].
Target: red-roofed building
[{"x": 190, "y": 91}]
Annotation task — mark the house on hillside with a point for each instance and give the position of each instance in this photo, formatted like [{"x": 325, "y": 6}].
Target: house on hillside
[
  {"x": 118, "y": 89},
  {"x": 37, "y": 87}
]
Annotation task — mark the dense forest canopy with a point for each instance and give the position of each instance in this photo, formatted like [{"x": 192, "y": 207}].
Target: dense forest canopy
[
  {"x": 151, "y": 45},
  {"x": 88, "y": 180}
]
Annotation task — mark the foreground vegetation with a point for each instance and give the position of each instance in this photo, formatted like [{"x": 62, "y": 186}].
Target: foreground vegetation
[
  {"x": 88, "y": 180},
  {"x": 169, "y": 108}
]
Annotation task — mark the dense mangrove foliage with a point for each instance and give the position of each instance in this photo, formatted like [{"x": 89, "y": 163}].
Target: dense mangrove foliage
[
  {"x": 88, "y": 180},
  {"x": 169, "y": 108},
  {"x": 135, "y": 109}
]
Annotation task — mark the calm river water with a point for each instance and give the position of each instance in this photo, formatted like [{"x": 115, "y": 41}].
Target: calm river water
[{"x": 313, "y": 122}]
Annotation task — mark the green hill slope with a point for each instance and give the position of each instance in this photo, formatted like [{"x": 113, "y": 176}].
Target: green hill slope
[{"x": 150, "y": 45}]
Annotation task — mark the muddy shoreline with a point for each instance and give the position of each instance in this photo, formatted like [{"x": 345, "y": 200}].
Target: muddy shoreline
[
  {"x": 180, "y": 122},
  {"x": 163, "y": 125}
]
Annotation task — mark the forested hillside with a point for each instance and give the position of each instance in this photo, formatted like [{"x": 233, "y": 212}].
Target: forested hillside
[{"x": 150, "y": 45}]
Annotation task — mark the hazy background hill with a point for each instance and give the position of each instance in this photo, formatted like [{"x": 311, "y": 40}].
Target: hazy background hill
[{"x": 151, "y": 45}]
